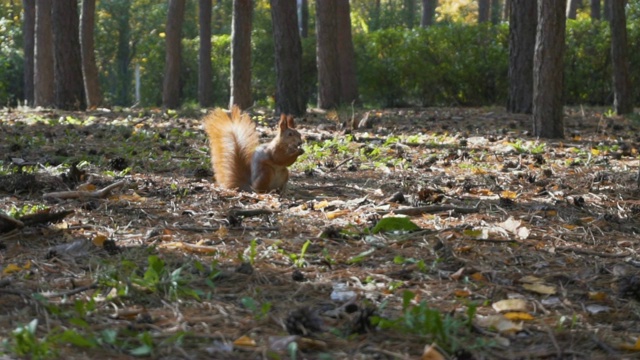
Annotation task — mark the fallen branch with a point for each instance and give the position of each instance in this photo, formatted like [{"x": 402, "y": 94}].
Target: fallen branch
[
  {"x": 429, "y": 210},
  {"x": 98, "y": 194},
  {"x": 589, "y": 252}
]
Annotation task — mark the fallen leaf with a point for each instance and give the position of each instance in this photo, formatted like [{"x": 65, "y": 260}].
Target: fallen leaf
[
  {"x": 245, "y": 341},
  {"x": 99, "y": 240},
  {"x": 632, "y": 347},
  {"x": 478, "y": 277},
  {"x": 597, "y": 296},
  {"x": 540, "y": 288},
  {"x": 510, "y": 305},
  {"x": 499, "y": 323},
  {"x": 430, "y": 352},
  {"x": 456, "y": 275},
  {"x": 11, "y": 268},
  {"x": 462, "y": 293},
  {"x": 515, "y": 316},
  {"x": 336, "y": 214}
]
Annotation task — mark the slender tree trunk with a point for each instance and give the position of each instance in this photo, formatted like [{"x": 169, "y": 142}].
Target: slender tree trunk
[
  {"x": 496, "y": 11},
  {"x": 428, "y": 12},
  {"x": 548, "y": 70},
  {"x": 44, "y": 86},
  {"x": 29, "y": 48},
  {"x": 205, "y": 71},
  {"x": 507, "y": 9},
  {"x": 89, "y": 68},
  {"x": 620, "y": 58},
  {"x": 171, "y": 84},
  {"x": 522, "y": 42},
  {"x": 303, "y": 18},
  {"x": 572, "y": 8},
  {"x": 69, "y": 84},
  {"x": 595, "y": 9},
  {"x": 375, "y": 16},
  {"x": 409, "y": 9},
  {"x": 348, "y": 79},
  {"x": 484, "y": 9},
  {"x": 606, "y": 10},
  {"x": 288, "y": 58},
  {"x": 328, "y": 58},
  {"x": 241, "y": 54},
  {"x": 123, "y": 56}
]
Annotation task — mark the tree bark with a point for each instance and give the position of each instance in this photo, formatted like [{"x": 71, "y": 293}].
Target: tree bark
[
  {"x": 606, "y": 10},
  {"x": 69, "y": 84},
  {"x": 29, "y": 28},
  {"x": 496, "y": 11},
  {"x": 205, "y": 70},
  {"x": 522, "y": 42},
  {"x": 484, "y": 9},
  {"x": 171, "y": 84},
  {"x": 348, "y": 79},
  {"x": 123, "y": 57},
  {"x": 595, "y": 10},
  {"x": 43, "y": 82},
  {"x": 572, "y": 8},
  {"x": 620, "y": 58},
  {"x": 303, "y": 18},
  {"x": 548, "y": 69},
  {"x": 328, "y": 58},
  {"x": 409, "y": 9},
  {"x": 428, "y": 12},
  {"x": 288, "y": 58},
  {"x": 89, "y": 68},
  {"x": 241, "y": 54}
]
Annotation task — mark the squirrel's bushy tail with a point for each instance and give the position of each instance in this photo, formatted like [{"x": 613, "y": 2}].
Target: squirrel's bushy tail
[{"x": 232, "y": 141}]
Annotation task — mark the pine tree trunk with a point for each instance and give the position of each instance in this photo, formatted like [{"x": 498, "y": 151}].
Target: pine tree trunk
[
  {"x": 89, "y": 68},
  {"x": 29, "y": 48},
  {"x": 43, "y": 82},
  {"x": 548, "y": 70},
  {"x": 171, "y": 84},
  {"x": 123, "y": 56},
  {"x": 484, "y": 9},
  {"x": 620, "y": 58},
  {"x": 572, "y": 8},
  {"x": 288, "y": 58},
  {"x": 595, "y": 10},
  {"x": 69, "y": 84},
  {"x": 522, "y": 42},
  {"x": 328, "y": 58},
  {"x": 241, "y": 54},
  {"x": 348, "y": 79},
  {"x": 428, "y": 12},
  {"x": 303, "y": 14},
  {"x": 205, "y": 71},
  {"x": 496, "y": 11}
]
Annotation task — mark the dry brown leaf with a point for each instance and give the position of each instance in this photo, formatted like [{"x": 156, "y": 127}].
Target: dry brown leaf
[
  {"x": 99, "y": 240},
  {"x": 430, "y": 352},
  {"x": 510, "y": 305},
  {"x": 540, "y": 288},
  {"x": 515, "y": 316},
  {"x": 245, "y": 341}
]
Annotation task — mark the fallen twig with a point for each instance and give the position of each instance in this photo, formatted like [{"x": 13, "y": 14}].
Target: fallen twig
[
  {"x": 98, "y": 194},
  {"x": 429, "y": 209}
]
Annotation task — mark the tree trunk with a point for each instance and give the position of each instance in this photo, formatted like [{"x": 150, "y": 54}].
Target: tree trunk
[
  {"x": 409, "y": 9},
  {"x": 171, "y": 85},
  {"x": 428, "y": 12},
  {"x": 595, "y": 9},
  {"x": 620, "y": 58},
  {"x": 507, "y": 9},
  {"x": 69, "y": 84},
  {"x": 89, "y": 68},
  {"x": 303, "y": 18},
  {"x": 328, "y": 58},
  {"x": 606, "y": 10},
  {"x": 29, "y": 47},
  {"x": 375, "y": 16},
  {"x": 241, "y": 54},
  {"x": 522, "y": 42},
  {"x": 205, "y": 70},
  {"x": 484, "y": 9},
  {"x": 288, "y": 58},
  {"x": 496, "y": 11},
  {"x": 43, "y": 77},
  {"x": 348, "y": 79},
  {"x": 572, "y": 8},
  {"x": 548, "y": 69},
  {"x": 123, "y": 56}
]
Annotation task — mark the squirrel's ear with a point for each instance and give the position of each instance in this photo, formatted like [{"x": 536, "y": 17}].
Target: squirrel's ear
[
  {"x": 290, "y": 123},
  {"x": 283, "y": 122}
]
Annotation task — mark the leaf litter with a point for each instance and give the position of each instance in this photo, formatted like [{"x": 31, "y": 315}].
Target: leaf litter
[{"x": 428, "y": 233}]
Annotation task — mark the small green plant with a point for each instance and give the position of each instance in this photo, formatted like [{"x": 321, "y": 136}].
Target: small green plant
[
  {"x": 298, "y": 259},
  {"x": 26, "y": 210},
  {"x": 251, "y": 253},
  {"x": 157, "y": 278},
  {"x": 24, "y": 343},
  {"x": 259, "y": 312}
]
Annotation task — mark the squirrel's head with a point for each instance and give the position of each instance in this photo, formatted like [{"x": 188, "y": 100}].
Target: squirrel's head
[{"x": 289, "y": 136}]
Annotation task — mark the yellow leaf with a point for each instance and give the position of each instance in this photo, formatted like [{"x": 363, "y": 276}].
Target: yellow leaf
[
  {"x": 431, "y": 353},
  {"x": 540, "y": 288},
  {"x": 479, "y": 171},
  {"x": 506, "y": 194},
  {"x": 462, "y": 293},
  {"x": 321, "y": 205},
  {"x": 515, "y": 316},
  {"x": 244, "y": 341},
  {"x": 27, "y": 266},
  {"x": 595, "y": 152},
  {"x": 11, "y": 268},
  {"x": 99, "y": 240},
  {"x": 335, "y": 214},
  {"x": 632, "y": 347},
  {"x": 597, "y": 296}
]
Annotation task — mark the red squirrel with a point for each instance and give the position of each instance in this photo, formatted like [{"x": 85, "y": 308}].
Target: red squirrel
[{"x": 238, "y": 159}]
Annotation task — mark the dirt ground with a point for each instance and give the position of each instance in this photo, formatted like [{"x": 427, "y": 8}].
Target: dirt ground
[{"x": 516, "y": 248}]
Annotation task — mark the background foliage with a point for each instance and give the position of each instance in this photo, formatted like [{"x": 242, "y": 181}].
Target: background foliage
[{"x": 457, "y": 62}]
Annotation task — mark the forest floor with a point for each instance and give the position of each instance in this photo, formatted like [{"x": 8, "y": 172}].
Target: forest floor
[{"x": 449, "y": 227}]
